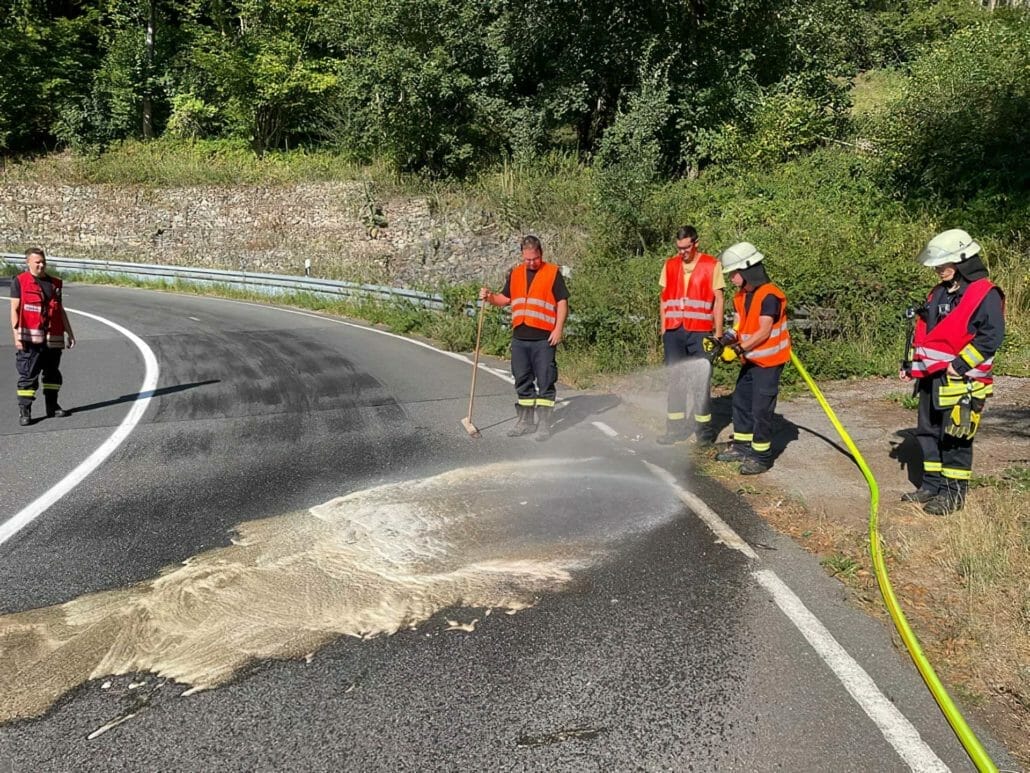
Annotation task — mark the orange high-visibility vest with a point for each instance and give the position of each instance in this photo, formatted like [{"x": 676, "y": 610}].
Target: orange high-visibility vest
[
  {"x": 932, "y": 352},
  {"x": 775, "y": 350},
  {"x": 40, "y": 321},
  {"x": 692, "y": 307},
  {"x": 534, "y": 306}
]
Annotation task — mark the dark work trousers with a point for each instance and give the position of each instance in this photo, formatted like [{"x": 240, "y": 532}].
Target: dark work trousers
[
  {"x": 535, "y": 371},
  {"x": 754, "y": 403},
  {"x": 680, "y": 345},
  {"x": 32, "y": 360},
  {"x": 947, "y": 460}
]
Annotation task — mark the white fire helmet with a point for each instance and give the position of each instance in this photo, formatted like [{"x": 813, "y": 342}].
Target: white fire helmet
[
  {"x": 951, "y": 246},
  {"x": 740, "y": 255}
]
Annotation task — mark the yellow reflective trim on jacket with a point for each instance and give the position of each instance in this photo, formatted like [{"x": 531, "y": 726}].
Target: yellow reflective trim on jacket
[{"x": 971, "y": 355}]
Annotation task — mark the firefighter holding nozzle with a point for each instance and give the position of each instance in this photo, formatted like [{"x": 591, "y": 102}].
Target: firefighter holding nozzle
[
  {"x": 951, "y": 357},
  {"x": 760, "y": 341}
]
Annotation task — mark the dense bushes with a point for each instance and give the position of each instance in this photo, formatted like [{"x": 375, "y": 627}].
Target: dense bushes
[
  {"x": 603, "y": 125},
  {"x": 960, "y": 126}
]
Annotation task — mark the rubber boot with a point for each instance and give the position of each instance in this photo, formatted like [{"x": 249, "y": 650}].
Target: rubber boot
[
  {"x": 754, "y": 467},
  {"x": 950, "y": 498},
  {"x": 543, "y": 430},
  {"x": 524, "y": 425},
  {"x": 24, "y": 415},
  {"x": 734, "y": 453},
  {"x": 704, "y": 437},
  {"x": 920, "y": 495},
  {"x": 52, "y": 408},
  {"x": 675, "y": 432}
]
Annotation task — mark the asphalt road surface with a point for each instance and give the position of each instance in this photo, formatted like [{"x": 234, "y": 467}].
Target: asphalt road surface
[{"x": 265, "y": 542}]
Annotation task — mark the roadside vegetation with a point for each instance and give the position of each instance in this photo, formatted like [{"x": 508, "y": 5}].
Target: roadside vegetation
[{"x": 836, "y": 135}]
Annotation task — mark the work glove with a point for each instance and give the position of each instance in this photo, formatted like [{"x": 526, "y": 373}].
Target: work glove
[
  {"x": 964, "y": 419},
  {"x": 712, "y": 348},
  {"x": 728, "y": 337},
  {"x": 729, "y": 354}
]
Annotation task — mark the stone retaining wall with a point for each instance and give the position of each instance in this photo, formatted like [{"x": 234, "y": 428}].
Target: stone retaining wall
[{"x": 261, "y": 228}]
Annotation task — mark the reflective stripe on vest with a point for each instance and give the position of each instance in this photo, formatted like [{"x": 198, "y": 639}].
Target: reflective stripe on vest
[
  {"x": 950, "y": 338},
  {"x": 691, "y": 307},
  {"x": 534, "y": 306},
  {"x": 775, "y": 350},
  {"x": 40, "y": 321}
]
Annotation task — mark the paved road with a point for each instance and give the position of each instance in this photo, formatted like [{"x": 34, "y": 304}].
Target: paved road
[{"x": 299, "y": 523}]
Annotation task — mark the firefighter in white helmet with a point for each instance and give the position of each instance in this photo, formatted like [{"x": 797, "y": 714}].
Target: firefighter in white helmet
[
  {"x": 957, "y": 332},
  {"x": 759, "y": 339}
]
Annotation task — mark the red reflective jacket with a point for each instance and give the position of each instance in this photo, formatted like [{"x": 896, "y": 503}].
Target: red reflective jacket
[
  {"x": 692, "y": 306},
  {"x": 40, "y": 321},
  {"x": 933, "y": 351}
]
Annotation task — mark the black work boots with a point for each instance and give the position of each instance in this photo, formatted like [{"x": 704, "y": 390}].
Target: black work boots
[
  {"x": 675, "y": 432},
  {"x": 543, "y": 427},
  {"x": 52, "y": 408},
  {"x": 525, "y": 425}
]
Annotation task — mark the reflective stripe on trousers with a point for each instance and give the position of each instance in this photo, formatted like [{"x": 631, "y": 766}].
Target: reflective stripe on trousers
[
  {"x": 535, "y": 371},
  {"x": 754, "y": 404}
]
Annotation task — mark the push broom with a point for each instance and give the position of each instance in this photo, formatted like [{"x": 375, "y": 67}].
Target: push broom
[{"x": 467, "y": 421}]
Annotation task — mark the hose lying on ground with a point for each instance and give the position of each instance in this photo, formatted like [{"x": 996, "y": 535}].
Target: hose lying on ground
[{"x": 965, "y": 735}]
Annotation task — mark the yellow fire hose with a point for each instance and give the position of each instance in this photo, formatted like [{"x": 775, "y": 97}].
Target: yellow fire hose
[{"x": 965, "y": 735}]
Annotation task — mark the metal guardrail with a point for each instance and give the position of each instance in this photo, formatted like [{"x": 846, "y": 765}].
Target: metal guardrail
[
  {"x": 815, "y": 320},
  {"x": 265, "y": 284}
]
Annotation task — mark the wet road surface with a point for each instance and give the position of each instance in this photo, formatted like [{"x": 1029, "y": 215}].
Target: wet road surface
[{"x": 298, "y": 559}]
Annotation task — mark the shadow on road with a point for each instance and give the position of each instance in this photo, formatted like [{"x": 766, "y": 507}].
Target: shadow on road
[
  {"x": 161, "y": 392},
  {"x": 581, "y": 407},
  {"x": 784, "y": 431},
  {"x": 909, "y": 455}
]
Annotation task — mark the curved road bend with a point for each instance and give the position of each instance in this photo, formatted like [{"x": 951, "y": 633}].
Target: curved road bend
[{"x": 299, "y": 488}]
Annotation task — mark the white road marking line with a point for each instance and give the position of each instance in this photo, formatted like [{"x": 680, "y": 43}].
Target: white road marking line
[
  {"x": 896, "y": 729},
  {"x": 453, "y": 355},
  {"x": 605, "y": 428},
  {"x": 722, "y": 530},
  {"x": 20, "y": 520}
]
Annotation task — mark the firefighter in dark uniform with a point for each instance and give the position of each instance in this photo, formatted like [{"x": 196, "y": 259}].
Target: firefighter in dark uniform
[
  {"x": 539, "y": 305},
  {"x": 760, "y": 340},
  {"x": 956, "y": 336},
  {"x": 40, "y": 326}
]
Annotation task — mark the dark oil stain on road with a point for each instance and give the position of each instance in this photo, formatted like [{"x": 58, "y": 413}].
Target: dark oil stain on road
[{"x": 366, "y": 564}]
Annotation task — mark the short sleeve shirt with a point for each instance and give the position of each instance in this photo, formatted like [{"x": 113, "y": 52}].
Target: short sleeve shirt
[{"x": 770, "y": 305}]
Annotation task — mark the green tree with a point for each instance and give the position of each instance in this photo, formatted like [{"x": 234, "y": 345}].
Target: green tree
[
  {"x": 261, "y": 63},
  {"x": 960, "y": 125},
  {"x": 47, "y": 53},
  {"x": 414, "y": 85}
]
